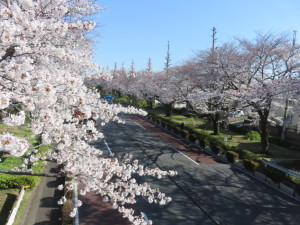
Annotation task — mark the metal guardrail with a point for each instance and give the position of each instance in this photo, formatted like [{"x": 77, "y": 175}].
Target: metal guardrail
[{"x": 285, "y": 170}]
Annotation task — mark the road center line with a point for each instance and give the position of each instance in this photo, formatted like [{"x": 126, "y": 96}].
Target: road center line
[
  {"x": 107, "y": 146},
  {"x": 185, "y": 155},
  {"x": 140, "y": 125}
]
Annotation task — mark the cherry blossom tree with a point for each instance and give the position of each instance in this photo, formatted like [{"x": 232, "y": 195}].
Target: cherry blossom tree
[
  {"x": 272, "y": 71},
  {"x": 44, "y": 57},
  {"x": 213, "y": 79}
]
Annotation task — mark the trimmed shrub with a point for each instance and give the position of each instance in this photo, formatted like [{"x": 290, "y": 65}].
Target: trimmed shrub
[
  {"x": 250, "y": 165},
  {"x": 252, "y": 136},
  {"x": 227, "y": 147},
  {"x": 192, "y": 137},
  {"x": 190, "y": 115},
  {"x": 190, "y": 129},
  {"x": 163, "y": 118},
  {"x": 184, "y": 133},
  {"x": 245, "y": 154},
  {"x": 217, "y": 149},
  {"x": 204, "y": 142},
  {"x": 232, "y": 156},
  {"x": 176, "y": 130},
  {"x": 16, "y": 181}
]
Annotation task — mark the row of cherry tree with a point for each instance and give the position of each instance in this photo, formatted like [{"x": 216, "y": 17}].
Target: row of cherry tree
[
  {"x": 248, "y": 74},
  {"x": 44, "y": 56}
]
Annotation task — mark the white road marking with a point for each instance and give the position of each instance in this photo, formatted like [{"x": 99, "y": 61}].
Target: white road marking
[
  {"x": 140, "y": 125},
  {"x": 75, "y": 201},
  {"x": 185, "y": 155},
  {"x": 107, "y": 147},
  {"x": 145, "y": 217}
]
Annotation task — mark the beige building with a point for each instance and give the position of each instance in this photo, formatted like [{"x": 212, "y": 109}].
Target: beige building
[{"x": 293, "y": 113}]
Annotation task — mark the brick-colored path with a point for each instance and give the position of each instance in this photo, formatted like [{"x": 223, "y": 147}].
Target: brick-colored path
[
  {"x": 94, "y": 212},
  {"x": 189, "y": 150}
]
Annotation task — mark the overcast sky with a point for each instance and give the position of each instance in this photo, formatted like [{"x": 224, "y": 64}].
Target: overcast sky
[{"x": 135, "y": 30}]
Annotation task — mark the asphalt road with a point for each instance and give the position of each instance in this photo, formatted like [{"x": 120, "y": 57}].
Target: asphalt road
[
  {"x": 202, "y": 193},
  {"x": 42, "y": 208},
  {"x": 182, "y": 209}
]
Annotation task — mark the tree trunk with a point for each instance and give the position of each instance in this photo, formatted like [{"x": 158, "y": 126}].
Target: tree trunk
[
  {"x": 264, "y": 130},
  {"x": 151, "y": 103},
  {"x": 169, "y": 109},
  {"x": 216, "y": 122},
  {"x": 118, "y": 93}
]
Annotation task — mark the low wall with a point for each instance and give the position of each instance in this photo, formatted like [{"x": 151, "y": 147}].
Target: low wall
[{"x": 14, "y": 211}]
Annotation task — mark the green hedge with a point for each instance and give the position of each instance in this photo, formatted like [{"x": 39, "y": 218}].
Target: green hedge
[
  {"x": 232, "y": 156},
  {"x": 245, "y": 154},
  {"x": 250, "y": 165},
  {"x": 184, "y": 133},
  {"x": 217, "y": 149},
  {"x": 227, "y": 147},
  {"x": 252, "y": 136},
  {"x": 176, "y": 130},
  {"x": 203, "y": 142},
  {"x": 8, "y": 181},
  {"x": 9, "y": 162}
]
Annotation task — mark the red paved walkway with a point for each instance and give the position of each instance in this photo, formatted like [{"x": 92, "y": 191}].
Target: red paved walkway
[{"x": 94, "y": 212}]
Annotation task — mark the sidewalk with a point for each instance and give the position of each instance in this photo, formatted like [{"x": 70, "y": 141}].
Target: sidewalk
[
  {"x": 94, "y": 211},
  {"x": 42, "y": 207}
]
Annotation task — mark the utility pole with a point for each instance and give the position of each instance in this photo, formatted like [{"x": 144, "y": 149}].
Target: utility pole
[
  {"x": 167, "y": 66},
  {"x": 212, "y": 61},
  {"x": 284, "y": 122},
  {"x": 213, "y": 46},
  {"x": 168, "y": 59},
  {"x": 149, "y": 66},
  {"x": 132, "y": 68},
  {"x": 294, "y": 37},
  {"x": 214, "y": 39}
]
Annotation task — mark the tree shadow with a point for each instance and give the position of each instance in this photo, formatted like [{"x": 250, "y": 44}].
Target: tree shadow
[
  {"x": 54, "y": 218},
  {"x": 7, "y": 207},
  {"x": 254, "y": 147},
  {"x": 48, "y": 202}
]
